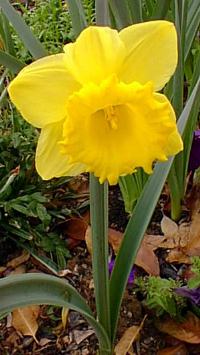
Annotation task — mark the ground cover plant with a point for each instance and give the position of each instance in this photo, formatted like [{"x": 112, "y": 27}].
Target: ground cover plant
[{"x": 104, "y": 75}]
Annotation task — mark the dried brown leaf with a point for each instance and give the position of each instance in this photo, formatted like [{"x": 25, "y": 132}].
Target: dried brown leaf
[
  {"x": 25, "y": 320},
  {"x": 174, "y": 350},
  {"x": 188, "y": 330},
  {"x": 128, "y": 338},
  {"x": 76, "y": 228},
  {"x": 147, "y": 259},
  {"x": 21, "y": 269},
  {"x": 44, "y": 341},
  {"x": 114, "y": 238},
  {"x": 81, "y": 335},
  {"x": 19, "y": 260},
  {"x": 169, "y": 227},
  {"x": 177, "y": 255},
  {"x": 88, "y": 239}
]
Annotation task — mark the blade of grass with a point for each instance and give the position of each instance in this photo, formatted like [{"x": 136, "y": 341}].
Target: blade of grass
[
  {"x": 24, "y": 32},
  {"x": 139, "y": 221},
  {"x": 77, "y": 16}
]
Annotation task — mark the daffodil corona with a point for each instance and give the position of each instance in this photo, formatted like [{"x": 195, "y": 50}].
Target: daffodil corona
[{"x": 97, "y": 103}]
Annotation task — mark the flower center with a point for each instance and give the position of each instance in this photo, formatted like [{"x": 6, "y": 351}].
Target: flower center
[{"x": 111, "y": 117}]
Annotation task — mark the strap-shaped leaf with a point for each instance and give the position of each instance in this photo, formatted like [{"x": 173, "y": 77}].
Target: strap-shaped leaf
[
  {"x": 160, "y": 10},
  {"x": 10, "y": 62},
  {"x": 24, "y": 32},
  {"x": 121, "y": 13},
  {"x": 77, "y": 16},
  {"x": 135, "y": 8},
  {"x": 139, "y": 221},
  {"x": 21, "y": 290},
  {"x": 102, "y": 13},
  {"x": 193, "y": 23}
]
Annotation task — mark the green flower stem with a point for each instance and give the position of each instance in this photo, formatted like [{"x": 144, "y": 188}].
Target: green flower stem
[{"x": 99, "y": 223}]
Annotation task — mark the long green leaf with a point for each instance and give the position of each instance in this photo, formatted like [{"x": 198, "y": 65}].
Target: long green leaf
[
  {"x": 6, "y": 35},
  {"x": 121, "y": 13},
  {"x": 135, "y": 8},
  {"x": 10, "y": 62},
  {"x": 101, "y": 7},
  {"x": 22, "y": 290},
  {"x": 24, "y": 32},
  {"x": 139, "y": 221},
  {"x": 193, "y": 23},
  {"x": 77, "y": 16},
  {"x": 160, "y": 10}
]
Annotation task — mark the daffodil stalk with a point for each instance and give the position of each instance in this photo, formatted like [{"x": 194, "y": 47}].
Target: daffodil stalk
[
  {"x": 99, "y": 111},
  {"x": 99, "y": 225}
]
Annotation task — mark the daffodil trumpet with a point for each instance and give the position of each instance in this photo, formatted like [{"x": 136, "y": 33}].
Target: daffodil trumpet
[{"x": 99, "y": 111}]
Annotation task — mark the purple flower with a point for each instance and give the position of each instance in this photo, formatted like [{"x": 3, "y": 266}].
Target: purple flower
[
  {"x": 192, "y": 293},
  {"x": 132, "y": 273},
  {"x": 194, "y": 161}
]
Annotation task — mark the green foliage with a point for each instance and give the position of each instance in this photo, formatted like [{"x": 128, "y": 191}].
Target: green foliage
[
  {"x": 26, "y": 213},
  {"x": 50, "y": 23},
  {"x": 195, "y": 280},
  {"x": 159, "y": 295}
]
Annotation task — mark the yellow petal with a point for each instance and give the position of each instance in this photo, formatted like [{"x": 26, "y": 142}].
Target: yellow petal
[
  {"x": 50, "y": 162},
  {"x": 174, "y": 143},
  {"x": 41, "y": 89},
  {"x": 151, "y": 53},
  {"x": 118, "y": 127},
  {"x": 97, "y": 53}
]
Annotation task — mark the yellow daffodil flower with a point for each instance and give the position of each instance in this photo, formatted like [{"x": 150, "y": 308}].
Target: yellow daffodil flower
[{"x": 97, "y": 105}]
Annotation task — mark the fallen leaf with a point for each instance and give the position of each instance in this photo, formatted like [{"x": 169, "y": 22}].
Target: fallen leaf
[
  {"x": 79, "y": 184},
  {"x": 115, "y": 239},
  {"x": 128, "y": 338},
  {"x": 21, "y": 269},
  {"x": 76, "y": 228},
  {"x": 80, "y": 335},
  {"x": 88, "y": 239},
  {"x": 183, "y": 240},
  {"x": 174, "y": 350},
  {"x": 2, "y": 269},
  {"x": 19, "y": 260},
  {"x": 44, "y": 341},
  {"x": 177, "y": 255},
  {"x": 145, "y": 258},
  {"x": 188, "y": 330},
  {"x": 25, "y": 320},
  {"x": 169, "y": 227}
]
